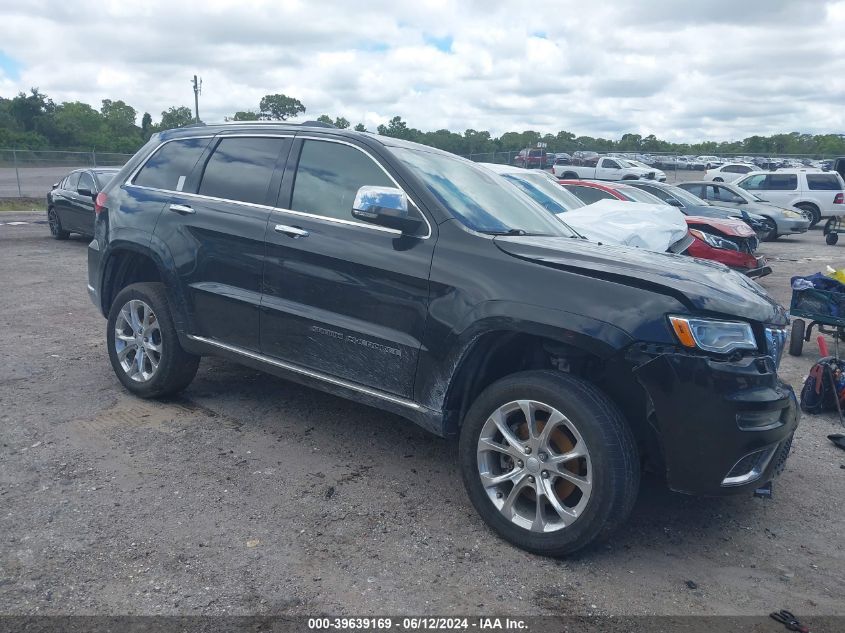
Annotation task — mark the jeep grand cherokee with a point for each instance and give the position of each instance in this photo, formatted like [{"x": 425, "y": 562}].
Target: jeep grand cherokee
[{"x": 408, "y": 279}]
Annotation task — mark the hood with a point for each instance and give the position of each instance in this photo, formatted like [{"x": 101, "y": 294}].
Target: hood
[
  {"x": 727, "y": 226},
  {"x": 699, "y": 284},
  {"x": 654, "y": 227}
]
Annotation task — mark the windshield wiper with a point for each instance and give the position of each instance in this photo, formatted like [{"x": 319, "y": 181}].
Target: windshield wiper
[{"x": 508, "y": 232}]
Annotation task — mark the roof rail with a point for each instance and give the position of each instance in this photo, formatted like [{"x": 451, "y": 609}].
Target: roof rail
[{"x": 265, "y": 122}]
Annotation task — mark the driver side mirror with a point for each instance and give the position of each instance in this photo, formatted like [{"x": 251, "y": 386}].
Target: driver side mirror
[
  {"x": 84, "y": 191},
  {"x": 385, "y": 206}
]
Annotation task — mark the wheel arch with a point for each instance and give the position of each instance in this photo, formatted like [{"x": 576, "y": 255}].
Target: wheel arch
[{"x": 128, "y": 263}]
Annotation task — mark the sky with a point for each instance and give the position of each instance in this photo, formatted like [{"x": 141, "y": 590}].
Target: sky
[{"x": 684, "y": 71}]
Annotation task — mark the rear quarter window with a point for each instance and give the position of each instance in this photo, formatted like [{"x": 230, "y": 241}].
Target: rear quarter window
[
  {"x": 824, "y": 182},
  {"x": 171, "y": 164}
]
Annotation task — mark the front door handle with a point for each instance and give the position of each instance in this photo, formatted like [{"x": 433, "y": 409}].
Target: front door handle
[
  {"x": 292, "y": 231},
  {"x": 184, "y": 209}
]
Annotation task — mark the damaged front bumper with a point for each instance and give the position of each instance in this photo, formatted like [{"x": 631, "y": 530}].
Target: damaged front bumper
[{"x": 724, "y": 426}]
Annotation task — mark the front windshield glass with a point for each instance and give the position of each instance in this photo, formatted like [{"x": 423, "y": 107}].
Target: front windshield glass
[
  {"x": 479, "y": 198},
  {"x": 545, "y": 191}
]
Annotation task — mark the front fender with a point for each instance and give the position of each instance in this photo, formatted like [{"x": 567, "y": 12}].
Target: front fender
[{"x": 444, "y": 352}]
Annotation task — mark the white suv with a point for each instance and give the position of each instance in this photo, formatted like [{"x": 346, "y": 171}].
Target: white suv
[
  {"x": 730, "y": 172},
  {"x": 820, "y": 194}
]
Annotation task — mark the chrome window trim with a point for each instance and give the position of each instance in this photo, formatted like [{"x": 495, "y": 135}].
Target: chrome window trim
[
  {"x": 309, "y": 372},
  {"x": 305, "y": 214}
]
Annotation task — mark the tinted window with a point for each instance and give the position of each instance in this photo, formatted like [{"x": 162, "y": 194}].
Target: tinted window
[
  {"x": 658, "y": 192},
  {"x": 328, "y": 177},
  {"x": 781, "y": 182},
  {"x": 589, "y": 195},
  {"x": 610, "y": 164},
  {"x": 71, "y": 181},
  {"x": 743, "y": 169},
  {"x": 171, "y": 164},
  {"x": 241, "y": 169},
  {"x": 86, "y": 181},
  {"x": 824, "y": 182}
]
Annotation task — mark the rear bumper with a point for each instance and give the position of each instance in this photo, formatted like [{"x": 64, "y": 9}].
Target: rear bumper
[{"x": 725, "y": 427}]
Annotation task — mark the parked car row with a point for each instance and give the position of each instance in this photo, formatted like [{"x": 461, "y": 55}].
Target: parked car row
[{"x": 420, "y": 283}]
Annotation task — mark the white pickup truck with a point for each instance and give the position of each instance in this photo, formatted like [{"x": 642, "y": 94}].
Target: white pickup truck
[{"x": 605, "y": 168}]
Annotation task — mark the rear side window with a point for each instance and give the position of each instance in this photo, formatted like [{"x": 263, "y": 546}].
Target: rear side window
[
  {"x": 824, "y": 182},
  {"x": 241, "y": 168},
  {"x": 328, "y": 177},
  {"x": 781, "y": 182},
  {"x": 589, "y": 195},
  {"x": 171, "y": 164}
]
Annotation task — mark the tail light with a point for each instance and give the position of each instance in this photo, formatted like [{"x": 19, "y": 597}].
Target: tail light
[
  {"x": 100, "y": 203},
  {"x": 839, "y": 199}
]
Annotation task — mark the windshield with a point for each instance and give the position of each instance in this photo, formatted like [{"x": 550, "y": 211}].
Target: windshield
[
  {"x": 477, "y": 197},
  {"x": 544, "y": 190}
]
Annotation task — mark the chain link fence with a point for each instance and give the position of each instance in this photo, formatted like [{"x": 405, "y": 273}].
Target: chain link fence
[{"x": 26, "y": 173}]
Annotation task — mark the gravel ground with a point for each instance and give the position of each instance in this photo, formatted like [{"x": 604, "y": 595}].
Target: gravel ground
[{"x": 249, "y": 494}]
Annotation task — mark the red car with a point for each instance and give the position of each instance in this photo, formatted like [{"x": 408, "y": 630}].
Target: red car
[{"x": 731, "y": 242}]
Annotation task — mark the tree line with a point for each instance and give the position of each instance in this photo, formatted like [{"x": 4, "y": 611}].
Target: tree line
[{"x": 34, "y": 121}]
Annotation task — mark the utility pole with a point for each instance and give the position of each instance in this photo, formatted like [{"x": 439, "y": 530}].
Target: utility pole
[{"x": 197, "y": 90}]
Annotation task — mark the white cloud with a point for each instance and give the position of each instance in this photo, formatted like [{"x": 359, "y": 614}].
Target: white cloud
[{"x": 683, "y": 71}]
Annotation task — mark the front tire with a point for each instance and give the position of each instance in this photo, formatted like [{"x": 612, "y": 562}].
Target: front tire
[
  {"x": 55, "y": 224},
  {"x": 812, "y": 210},
  {"x": 549, "y": 490},
  {"x": 143, "y": 346}
]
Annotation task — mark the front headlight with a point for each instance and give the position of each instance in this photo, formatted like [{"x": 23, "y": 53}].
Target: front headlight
[
  {"x": 722, "y": 337},
  {"x": 792, "y": 214},
  {"x": 714, "y": 240}
]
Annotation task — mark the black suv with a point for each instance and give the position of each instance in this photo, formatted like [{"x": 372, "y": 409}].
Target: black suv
[{"x": 412, "y": 280}]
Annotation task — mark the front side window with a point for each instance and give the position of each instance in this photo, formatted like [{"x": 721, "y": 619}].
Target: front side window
[
  {"x": 754, "y": 183},
  {"x": 824, "y": 182},
  {"x": 721, "y": 194},
  {"x": 72, "y": 181},
  {"x": 241, "y": 168},
  {"x": 610, "y": 164},
  {"x": 86, "y": 181},
  {"x": 328, "y": 177},
  {"x": 171, "y": 164}
]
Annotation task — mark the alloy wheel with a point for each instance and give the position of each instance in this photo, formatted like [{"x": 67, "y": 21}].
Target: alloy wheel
[
  {"x": 535, "y": 466},
  {"x": 137, "y": 340}
]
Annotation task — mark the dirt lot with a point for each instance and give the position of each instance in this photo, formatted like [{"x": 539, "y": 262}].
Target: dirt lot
[{"x": 250, "y": 494}]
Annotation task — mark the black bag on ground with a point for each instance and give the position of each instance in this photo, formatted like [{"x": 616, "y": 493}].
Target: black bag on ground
[{"x": 819, "y": 393}]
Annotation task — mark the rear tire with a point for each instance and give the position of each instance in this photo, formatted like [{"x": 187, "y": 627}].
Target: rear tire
[
  {"x": 55, "y": 224},
  {"x": 569, "y": 176},
  {"x": 143, "y": 345},
  {"x": 796, "y": 338},
  {"x": 601, "y": 490}
]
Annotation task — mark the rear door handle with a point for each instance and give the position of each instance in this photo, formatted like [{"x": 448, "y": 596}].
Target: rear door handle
[
  {"x": 184, "y": 209},
  {"x": 292, "y": 231}
]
